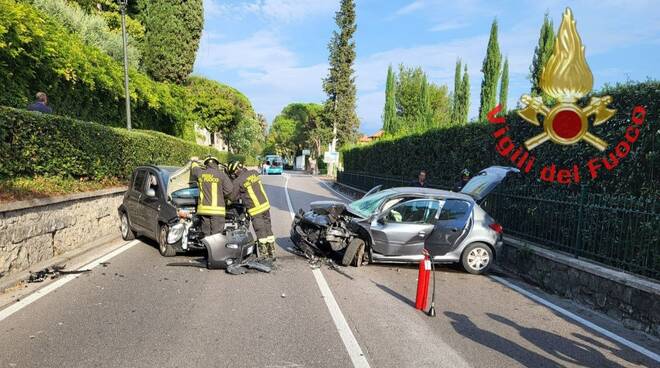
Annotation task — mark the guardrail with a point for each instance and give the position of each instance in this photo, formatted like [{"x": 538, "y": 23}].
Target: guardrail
[{"x": 618, "y": 231}]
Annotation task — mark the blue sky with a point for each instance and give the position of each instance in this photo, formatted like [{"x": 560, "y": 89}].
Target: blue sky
[{"x": 275, "y": 51}]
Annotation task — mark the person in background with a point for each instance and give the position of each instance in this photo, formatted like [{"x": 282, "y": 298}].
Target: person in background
[
  {"x": 41, "y": 104},
  {"x": 421, "y": 180},
  {"x": 264, "y": 168},
  {"x": 465, "y": 177}
]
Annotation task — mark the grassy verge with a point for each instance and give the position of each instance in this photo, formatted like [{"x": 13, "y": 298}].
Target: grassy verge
[{"x": 18, "y": 189}]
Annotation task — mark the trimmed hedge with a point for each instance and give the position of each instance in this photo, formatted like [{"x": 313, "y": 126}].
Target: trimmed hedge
[
  {"x": 445, "y": 152},
  {"x": 32, "y": 143}
]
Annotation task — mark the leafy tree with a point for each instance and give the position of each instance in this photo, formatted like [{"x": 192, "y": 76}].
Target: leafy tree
[
  {"x": 247, "y": 137},
  {"x": 420, "y": 105},
  {"x": 457, "y": 87},
  {"x": 504, "y": 85},
  {"x": 542, "y": 53},
  {"x": 339, "y": 85},
  {"x": 389, "y": 111},
  {"x": 172, "y": 33},
  {"x": 311, "y": 129},
  {"x": 218, "y": 108},
  {"x": 491, "y": 70},
  {"x": 464, "y": 100},
  {"x": 92, "y": 29},
  {"x": 283, "y": 136}
]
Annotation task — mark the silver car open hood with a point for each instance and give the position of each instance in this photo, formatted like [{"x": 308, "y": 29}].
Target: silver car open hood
[{"x": 486, "y": 181}]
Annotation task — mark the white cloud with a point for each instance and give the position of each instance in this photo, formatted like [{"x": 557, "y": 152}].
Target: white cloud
[
  {"x": 449, "y": 25},
  {"x": 410, "y": 8},
  {"x": 261, "y": 51},
  {"x": 272, "y": 10}
]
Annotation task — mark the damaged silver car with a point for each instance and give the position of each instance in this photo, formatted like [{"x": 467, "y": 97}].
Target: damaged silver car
[{"x": 395, "y": 225}]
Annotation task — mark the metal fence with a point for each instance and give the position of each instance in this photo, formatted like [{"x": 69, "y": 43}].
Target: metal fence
[{"x": 618, "y": 231}]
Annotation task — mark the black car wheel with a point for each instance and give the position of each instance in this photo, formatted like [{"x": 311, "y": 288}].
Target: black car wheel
[
  {"x": 477, "y": 258},
  {"x": 166, "y": 250},
  {"x": 126, "y": 232},
  {"x": 355, "y": 247}
]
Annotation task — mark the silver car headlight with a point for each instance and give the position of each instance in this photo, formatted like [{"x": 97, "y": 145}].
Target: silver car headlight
[{"x": 175, "y": 233}]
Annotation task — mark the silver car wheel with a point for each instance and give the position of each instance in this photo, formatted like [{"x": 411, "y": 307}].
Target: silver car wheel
[
  {"x": 124, "y": 225},
  {"x": 478, "y": 259}
]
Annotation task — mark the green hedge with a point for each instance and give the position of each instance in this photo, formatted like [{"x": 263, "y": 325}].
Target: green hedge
[
  {"x": 32, "y": 143},
  {"x": 39, "y": 54},
  {"x": 445, "y": 152}
]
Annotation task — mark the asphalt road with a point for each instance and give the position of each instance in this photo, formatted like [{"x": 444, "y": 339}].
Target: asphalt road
[{"x": 143, "y": 310}]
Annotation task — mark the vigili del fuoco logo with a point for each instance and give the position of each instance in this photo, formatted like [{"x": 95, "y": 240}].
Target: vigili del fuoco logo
[{"x": 566, "y": 78}]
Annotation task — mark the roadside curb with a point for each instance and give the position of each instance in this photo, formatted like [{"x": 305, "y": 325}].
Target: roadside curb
[{"x": 14, "y": 280}]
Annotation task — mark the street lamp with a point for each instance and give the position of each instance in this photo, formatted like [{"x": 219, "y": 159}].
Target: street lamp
[{"x": 122, "y": 5}]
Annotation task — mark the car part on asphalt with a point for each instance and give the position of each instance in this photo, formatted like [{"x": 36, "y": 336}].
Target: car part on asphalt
[
  {"x": 52, "y": 272},
  {"x": 394, "y": 225}
]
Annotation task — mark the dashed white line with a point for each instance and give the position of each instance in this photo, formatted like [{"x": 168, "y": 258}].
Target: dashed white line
[
  {"x": 344, "y": 330},
  {"x": 38, "y": 294}
]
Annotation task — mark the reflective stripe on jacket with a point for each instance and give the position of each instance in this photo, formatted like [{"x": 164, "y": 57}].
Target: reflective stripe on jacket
[
  {"x": 213, "y": 186},
  {"x": 248, "y": 187}
]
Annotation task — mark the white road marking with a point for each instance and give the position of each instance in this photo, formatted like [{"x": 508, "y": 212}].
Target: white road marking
[
  {"x": 347, "y": 337},
  {"x": 579, "y": 319},
  {"x": 333, "y": 190},
  {"x": 38, "y": 294},
  {"x": 557, "y": 308}
]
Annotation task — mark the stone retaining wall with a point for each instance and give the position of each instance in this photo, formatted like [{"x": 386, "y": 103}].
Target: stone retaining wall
[
  {"x": 632, "y": 300},
  {"x": 36, "y": 230}
]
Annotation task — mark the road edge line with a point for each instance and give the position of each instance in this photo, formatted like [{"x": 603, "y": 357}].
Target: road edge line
[
  {"x": 350, "y": 342},
  {"x": 38, "y": 294},
  {"x": 640, "y": 349},
  {"x": 333, "y": 190}
]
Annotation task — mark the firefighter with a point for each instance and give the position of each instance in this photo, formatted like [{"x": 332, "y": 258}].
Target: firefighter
[
  {"x": 249, "y": 189},
  {"x": 214, "y": 185},
  {"x": 465, "y": 177}
]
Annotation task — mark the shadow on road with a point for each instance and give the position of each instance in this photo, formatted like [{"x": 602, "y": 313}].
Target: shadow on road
[
  {"x": 464, "y": 326},
  {"x": 395, "y": 294},
  {"x": 560, "y": 347}
]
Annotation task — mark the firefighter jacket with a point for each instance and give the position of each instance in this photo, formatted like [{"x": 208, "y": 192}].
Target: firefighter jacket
[
  {"x": 214, "y": 185},
  {"x": 248, "y": 187}
]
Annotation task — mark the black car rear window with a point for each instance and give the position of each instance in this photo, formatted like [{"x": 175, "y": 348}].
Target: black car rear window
[{"x": 138, "y": 183}]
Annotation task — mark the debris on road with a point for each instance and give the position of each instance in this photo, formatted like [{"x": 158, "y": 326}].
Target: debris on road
[
  {"x": 53, "y": 273},
  {"x": 283, "y": 295}
]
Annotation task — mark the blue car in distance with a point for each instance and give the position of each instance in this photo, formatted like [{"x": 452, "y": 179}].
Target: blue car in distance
[{"x": 273, "y": 165}]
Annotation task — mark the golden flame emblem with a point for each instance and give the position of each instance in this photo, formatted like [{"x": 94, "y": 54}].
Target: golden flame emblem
[{"x": 566, "y": 77}]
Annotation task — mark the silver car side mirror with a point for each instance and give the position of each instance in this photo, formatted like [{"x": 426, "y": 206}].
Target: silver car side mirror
[{"x": 150, "y": 192}]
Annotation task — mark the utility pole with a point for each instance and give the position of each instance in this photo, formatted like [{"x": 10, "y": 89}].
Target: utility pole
[
  {"x": 333, "y": 146},
  {"x": 123, "y": 4}
]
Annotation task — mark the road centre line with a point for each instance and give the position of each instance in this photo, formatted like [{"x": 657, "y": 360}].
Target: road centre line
[
  {"x": 344, "y": 330},
  {"x": 558, "y": 309},
  {"x": 38, "y": 294}
]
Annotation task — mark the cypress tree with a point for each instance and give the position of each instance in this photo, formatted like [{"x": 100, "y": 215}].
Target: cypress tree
[
  {"x": 425, "y": 118},
  {"x": 504, "y": 85},
  {"x": 172, "y": 33},
  {"x": 389, "y": 111},
  {"x": 491, "y": 71},
  {"x": 457, "y": 87},
  {"x": 339, "y": 85},
  {"x": 541, "y": 54},
  {"x": 464, "y": 102}
]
